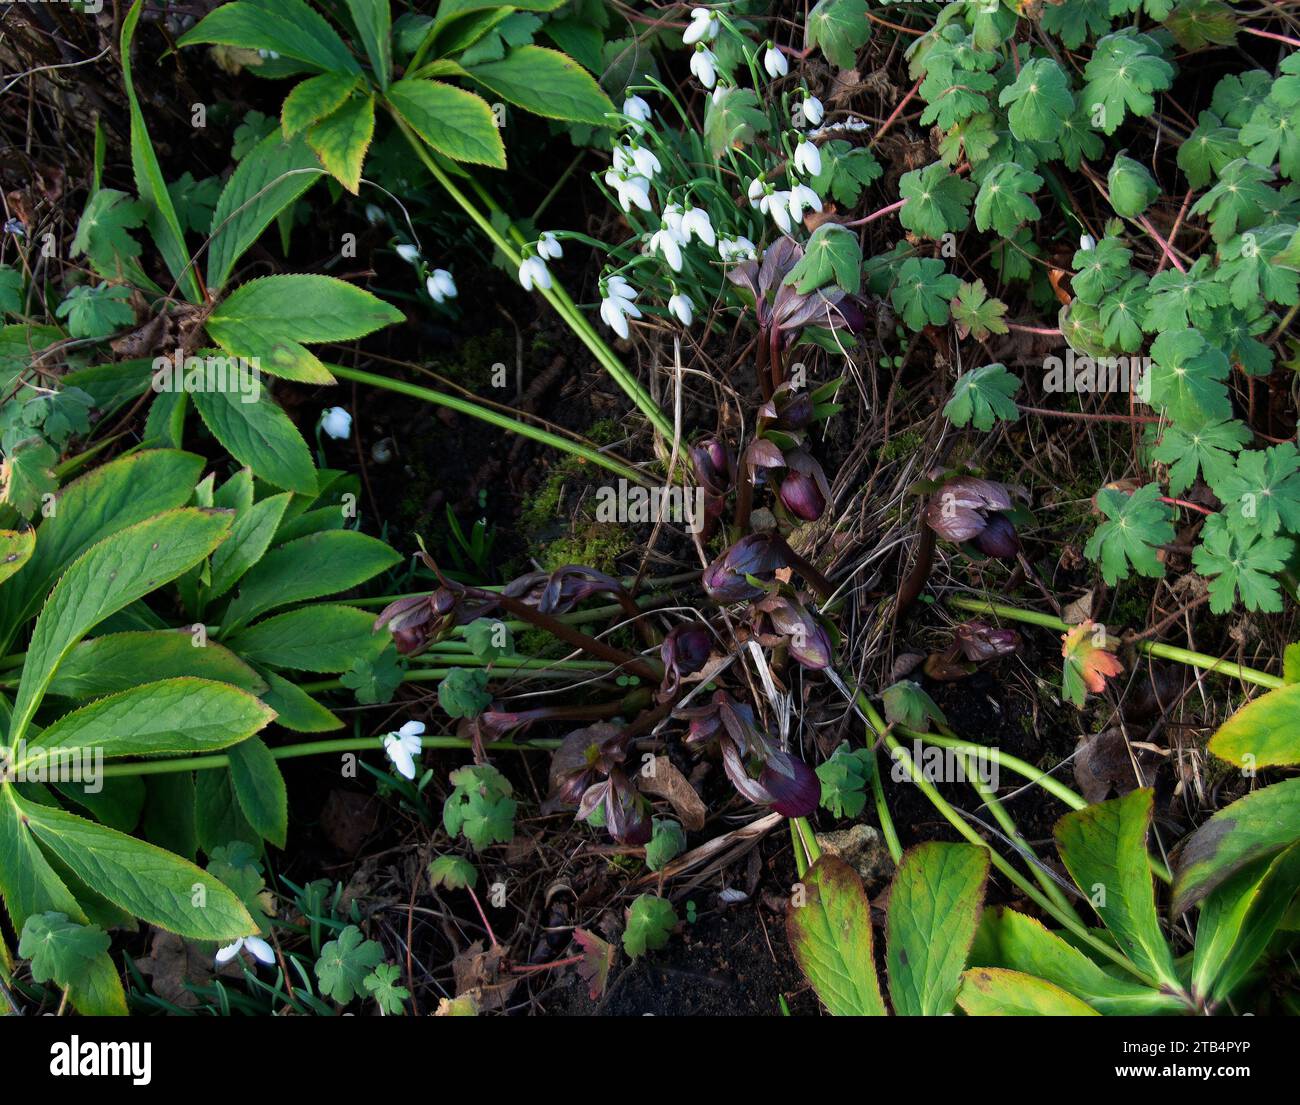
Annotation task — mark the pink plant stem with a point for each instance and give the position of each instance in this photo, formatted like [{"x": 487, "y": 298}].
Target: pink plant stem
[
  {"x": 893, "y": 115},
  {"x": 1045, "y": 331},
  {"x": 483, "y": 916},
  {"x": 1085, "y": 416},
  {"x": 1186, "y": 505},
  {"x": 1269, "y": 34},
  {"x": 877, "y": 214},
  {"x": 1178, "y": 222},
  {"x": 1145, "y": 223}
]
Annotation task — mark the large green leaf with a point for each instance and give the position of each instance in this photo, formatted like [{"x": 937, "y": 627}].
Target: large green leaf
[
  {"x": 1007, "y": 938},
  {"x": 259, "y": 786},
  {"x": 160, "y": 214},
  {"x": 167, "y": 716},
  {"x": 27, "y": 881},
  {"x": 260, "y": 435},
  {"x": 342, "y": 139},
  {"x": 148, "y": 882},
  {"x": 993, "y": 992},
  {"x": 934, "y": 907},
  {"x": 266, "y": 319},
  {"x": 1263, "y": 733},
  {"x": 295, "y": 709},
  {"x": 1104, "y": 849},
  {"x": 119, "y": 661},
  {"x": 374, "y": 23},
  {"x": 324, "y": 638},
  {"x": 454, "y": 122},
  {"x": 1258, "y": 825},
  {"x": 267, "y": 180},
  {"x": 250, "y": 537},
  {"x": 308, "y": 568},
  {"x": 546, "y": 82},
  {"x": 102, "y": 502},
  {"x": 830, "y": 935},
  {"x": 1238, "y": 919},
  {"x": 288, "y": 27},
  {"x": 111, "y": 575}
]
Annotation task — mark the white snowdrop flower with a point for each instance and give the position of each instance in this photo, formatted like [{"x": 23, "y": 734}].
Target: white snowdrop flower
[
  {"x": 705, "y": 66},
  {"x": 637, "y": 110},
  {"x": 811, "y": 111},
  {"x": 647, "y": 164},
  {"x": 777, "y": 205},
  {"x": 374, "y": 214},
  {"x": 622, "y": 159},
  {"x": 1087, "y": 241},
  {"x": 630, "y": 190},
  {"x": 855, "y": 124},
  {"x": 757, "y": 190},
  {"x": 548, "y": 245},
  {"x": 682, "y": 307},
  {"x": 403, "y": 746},
  {"x": 408, "y": 253},
  {"x": 774, "y": 62},
  {"x": 618, "y": 288},
  {"x": 808, "y": 158},
  {"x": 336, "y": 422},
  {"x": 533, "y": 273},
  {"x": 696, "y": 221},
  {"x": 258, "y": 948},
  {"x": 664, "y": 242},
  {"x": 742, "y": 249},
  {"x": 268, "y": 55},
  {"x": 617, "y": 306},
  {"x": 704, "y": 27},
  {"x": 801, "y": 196},
  {"x": 440, "y": 285}
]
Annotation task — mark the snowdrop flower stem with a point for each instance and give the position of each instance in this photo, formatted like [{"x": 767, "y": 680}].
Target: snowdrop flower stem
[{"x": 555, "y": 295}]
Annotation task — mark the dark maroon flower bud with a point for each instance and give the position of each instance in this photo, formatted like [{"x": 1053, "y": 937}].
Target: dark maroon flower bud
[
  {"x": 420, "y": 620},
  {"x": 684, "y": 652},
  {"x": 715, "y": 468},
  {"x": 794, "y": 787},
  {"x": 797, "y": 410},
  {"x": 756, "y": 554},
  {"x": 560, "y": 591},
  {"x": 998, "y": 538},
  {"x": 802, "y": 497},
  {"x": 788, "y": 619},
  {"x": 960, "y": 509},
  {"x": 979, "y": 641}
]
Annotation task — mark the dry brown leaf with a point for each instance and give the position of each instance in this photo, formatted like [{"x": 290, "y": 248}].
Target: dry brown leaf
[{"x": 667, "y": 782}]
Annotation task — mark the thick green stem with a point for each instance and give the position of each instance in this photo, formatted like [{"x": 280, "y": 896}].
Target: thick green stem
[
  {"x": 1149, "y": 648},
  {"x": 312, "y": 748},
  {"x": 505, "y": 422},
  {"x": 555, "y": 295},
  {"x": 887, "y": 829}
]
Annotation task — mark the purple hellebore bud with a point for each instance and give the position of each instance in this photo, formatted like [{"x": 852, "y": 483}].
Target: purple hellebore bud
[
  {"x": 980, "y": 641},
  {"x": 802, "y": 497},
  {"x": 756, "y": 554},
  {"x": 998, "y": 538},
  {"x": 714, "y": 466}
]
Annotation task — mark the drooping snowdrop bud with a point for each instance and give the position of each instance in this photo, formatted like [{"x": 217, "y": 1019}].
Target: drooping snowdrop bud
[
  {"x": 810, "y": 111},
  {"x": 1087, "y": 241},
  {"x": 705, "y": 66},
  {"x": 777, "y": 206},
  {"x": 801, "y": 197},
  {"x": 682, "y": 307},
  {"x": 408, "y": 253},
  {"x": 617, "y": 306},
  {"x": 440, "y": 285},
  {"x": 630, "y": 190},
  {"x": 808, "y": 158},
  {"x": 634, "y": 107},
  {"x": 548, "y": 245},
  {"x": 534, "y": 273},
  {"x": 645, "y": 161},
  {"x": 696, "y": 221},
  {"x": 337, "y": 423},
  {"x": 665, "y": 243},
  {"x": 258, "y": 948},
  {"x": 374, "y": 214},
  {"x": 757, "y": 190},
  {"x": 672, "y": 217},
  {"x": 403, "y": 746},
  {"x": 736, "y": 249},
  {"x": 774, "y": 62},
  {"x": 704, "y": 27}
]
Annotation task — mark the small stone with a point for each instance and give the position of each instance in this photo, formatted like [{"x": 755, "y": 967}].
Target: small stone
[{"x": 861, "y": 847}]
